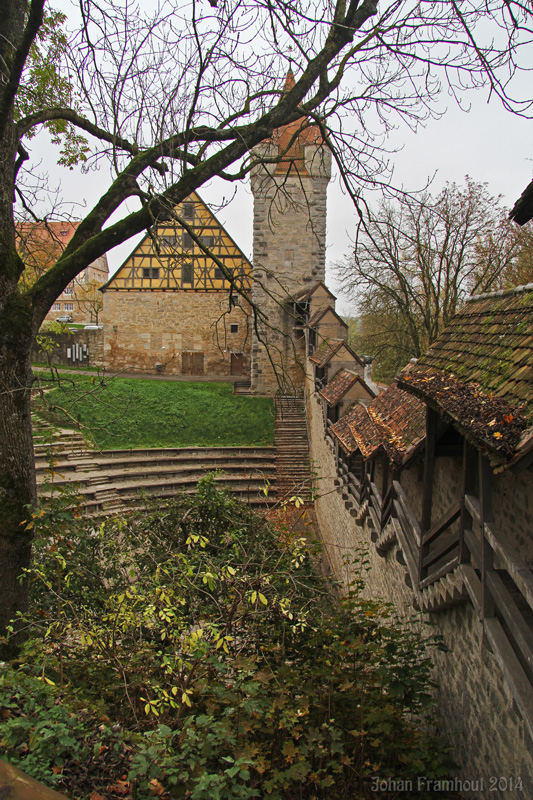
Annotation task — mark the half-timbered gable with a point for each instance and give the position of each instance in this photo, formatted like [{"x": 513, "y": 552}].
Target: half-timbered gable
[
  {"x": 190, "y": 254},
  {"x": 172, "y": 307}
]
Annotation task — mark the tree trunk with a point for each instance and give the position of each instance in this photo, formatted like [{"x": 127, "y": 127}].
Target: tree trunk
[{"x": 17, "y": 467}]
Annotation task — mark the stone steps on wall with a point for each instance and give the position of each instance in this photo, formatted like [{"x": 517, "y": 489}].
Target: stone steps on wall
[{"x": 293, "y": 476}]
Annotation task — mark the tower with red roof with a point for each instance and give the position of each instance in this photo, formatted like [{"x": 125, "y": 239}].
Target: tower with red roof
[{"x": 289, "y": 184}]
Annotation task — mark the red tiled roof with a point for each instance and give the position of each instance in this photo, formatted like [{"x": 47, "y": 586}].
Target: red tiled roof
[
  {"x": 365, "y": 431},
  {"x": 402, "y": 420},
  {"x": 342, "y": 433},
  {"x": 339, "y": 385},
  {"x": 292, "y": 138},
  {"x": 327, "y": 350},
  {"x": 394, "y": 420},
  {"x": 479, "y": 373},
  {"x": 317, "y": 316}
]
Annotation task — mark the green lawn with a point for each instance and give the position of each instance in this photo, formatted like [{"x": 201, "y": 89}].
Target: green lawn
[{"x": 142, "y": 413}]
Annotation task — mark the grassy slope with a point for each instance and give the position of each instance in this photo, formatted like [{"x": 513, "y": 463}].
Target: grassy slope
[{"x": 143, "y": 413}]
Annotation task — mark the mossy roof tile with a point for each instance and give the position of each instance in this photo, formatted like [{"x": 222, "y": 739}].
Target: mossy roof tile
[{"x": 486, "y": 354}]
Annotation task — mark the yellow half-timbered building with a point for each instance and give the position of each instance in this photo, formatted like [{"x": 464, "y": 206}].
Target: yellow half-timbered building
[{"x": 170, "y": 306}]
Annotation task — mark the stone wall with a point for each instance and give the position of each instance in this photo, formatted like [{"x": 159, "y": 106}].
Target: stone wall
[
  {"x": 145, "y": 329},
  {"x": 79, "y": 348},
  {"x": 289, "y": 257},
  {"x": 479, "y": 717}
]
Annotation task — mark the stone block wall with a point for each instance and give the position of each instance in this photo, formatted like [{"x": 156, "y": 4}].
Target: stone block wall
[
  {"x": 145, "y": 329},
  {"x": 289, "y": 257},
  {"x": 71, "y": 349},
  {"x": 479, "y": 718}
]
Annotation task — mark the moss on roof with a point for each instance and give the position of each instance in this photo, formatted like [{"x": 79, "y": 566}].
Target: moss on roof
[{"x": 480, "y": 371}]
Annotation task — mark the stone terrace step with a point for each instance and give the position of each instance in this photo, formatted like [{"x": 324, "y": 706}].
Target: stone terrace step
[{"x": 265, "y": 471}]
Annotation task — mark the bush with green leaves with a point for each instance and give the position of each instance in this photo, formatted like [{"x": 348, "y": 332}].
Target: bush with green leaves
[{"x": 209, "y": 637}]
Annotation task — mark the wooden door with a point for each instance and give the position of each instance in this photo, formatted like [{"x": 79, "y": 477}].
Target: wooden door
[
  {"x": 192, "y": 363},
  {"x": 237, "y": 360}
]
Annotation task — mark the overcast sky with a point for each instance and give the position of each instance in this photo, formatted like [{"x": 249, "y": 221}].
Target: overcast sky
[{"x": 488, "y": 143}]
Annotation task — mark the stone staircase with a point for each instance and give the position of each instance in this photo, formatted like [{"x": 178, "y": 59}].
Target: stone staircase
[{"x": 293, "y": 476}]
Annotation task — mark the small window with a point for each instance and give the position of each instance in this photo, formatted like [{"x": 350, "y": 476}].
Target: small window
[
  {"x": 235, "y": 300},
  {"x": 56, "y": 307},
  {"x": 187, "y": 241},
  {"x": 187, "y": 273},
  {"x": 68, "y": 289},
  {"x": 219, "y": 275},
  {"x": 234, "y": 328},
  {"x": 64, "y": 233},
  {"x": 169, "y": 240},
  {"x": 150, "y": 272},
  {"x": 188, "y": 210},
  {"x": 209, "y": 241}
]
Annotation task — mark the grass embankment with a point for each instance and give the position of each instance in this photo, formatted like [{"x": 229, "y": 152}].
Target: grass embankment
[{"x": 122, "y": 413}]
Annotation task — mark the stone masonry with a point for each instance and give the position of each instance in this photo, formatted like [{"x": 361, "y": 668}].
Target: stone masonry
[
  {"x": 479, "y": 719},
  {"x": 289, "y": 255},
  {"x": 145, "y": 329}
]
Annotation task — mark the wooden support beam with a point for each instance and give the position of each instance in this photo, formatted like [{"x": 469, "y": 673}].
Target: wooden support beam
[
  {"x": 427, "y": 496},
  {"x": 447, "y": 519},
  {"x": 487, "y": 553},
  {"x": 469, "y": 458}
]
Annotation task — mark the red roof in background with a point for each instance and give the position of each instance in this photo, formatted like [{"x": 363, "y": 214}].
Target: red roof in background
[
  {"x": 328, "y": 349},
  {"x": 339, "y": 385},
  {"x": 392, "y": 421},
  {"x": 40, "y": 244}
]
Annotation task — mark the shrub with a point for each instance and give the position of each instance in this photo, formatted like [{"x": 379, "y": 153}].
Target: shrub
[{"x": 210, "y": 638}]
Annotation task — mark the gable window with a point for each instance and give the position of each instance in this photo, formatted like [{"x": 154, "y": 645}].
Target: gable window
[
  {"x": 188, "y": 210},
  {"x": 150, "y": 272},
  {"x": 187, "y": 273},
  {"x": 169, "y": 239},
  {"x": 69, "y": 289},
  {"x": 219, "y": 275},
  {"x": 209, "y": 241},
  {"x": 187, "y": 241},
  {"x": 234, "y": 328}
]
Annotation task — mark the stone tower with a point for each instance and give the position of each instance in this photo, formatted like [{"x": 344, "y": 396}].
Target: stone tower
[{"x": 288, "y": 248}]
